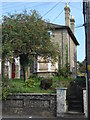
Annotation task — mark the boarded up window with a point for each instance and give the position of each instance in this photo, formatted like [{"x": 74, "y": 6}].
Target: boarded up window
[{"x": 43, "y": 66}]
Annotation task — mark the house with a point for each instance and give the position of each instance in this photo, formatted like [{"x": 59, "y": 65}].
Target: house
[{"x": 65, "y": 38}]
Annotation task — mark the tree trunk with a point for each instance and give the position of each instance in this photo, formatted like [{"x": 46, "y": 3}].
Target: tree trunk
[
  {"x": 24, "y": 74},
  {"x": 3, "y": 69}
]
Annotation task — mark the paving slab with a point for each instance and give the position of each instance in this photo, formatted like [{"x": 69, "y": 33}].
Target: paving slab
[{"x": 36, "y": 118}]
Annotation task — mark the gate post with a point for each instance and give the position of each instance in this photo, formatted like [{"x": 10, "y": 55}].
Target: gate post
[
  {"x": 85, "y": 102},
  {"x": 61, "y": 101}
]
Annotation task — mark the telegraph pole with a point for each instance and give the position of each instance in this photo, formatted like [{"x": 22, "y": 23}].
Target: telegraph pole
[
  {"x": 86, "y": 11},
  {"x": 88, "y": 54}
]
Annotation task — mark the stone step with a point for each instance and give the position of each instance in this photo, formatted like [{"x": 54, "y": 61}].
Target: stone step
[
  {"x": 75, "y": 105},
  {"x": 73, "y": 97},
  {"x": 76, "y": 101},
  {"x": 75, "y": 109},
  {"x": 72, "y": 114}
]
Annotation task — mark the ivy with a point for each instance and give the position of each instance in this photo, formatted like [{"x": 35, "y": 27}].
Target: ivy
[{"x": 65, "y": 71}]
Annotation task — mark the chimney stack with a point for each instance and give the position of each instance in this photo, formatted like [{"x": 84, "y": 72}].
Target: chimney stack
[
  {"x": 67, "y": 15},
  {"x": 72, "y": 25}
]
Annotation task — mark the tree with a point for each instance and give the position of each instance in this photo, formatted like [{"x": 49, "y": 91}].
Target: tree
[
  {"x": 82, "y": 67},
  {"x": 26, "y": 35}
]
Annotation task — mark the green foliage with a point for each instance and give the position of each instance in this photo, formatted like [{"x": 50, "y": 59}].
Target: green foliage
[
  {"x": 46, "y": 83},
  {"x": 67, "y": 54},
  {"x": 30, "y": 83},
  {"x": 5, "y": 92},
  {"x": 81, "y": 82},
  {"x": 81, "y": 68},
  {"x": 59, "y": 81},
  {"x": 76, "y": 87},
  {"x": 76, "y": 83},
  {"x": 65, "y": 71},
  {"x": 5, "y": 87},
  {"x": 26, "y": 35}
]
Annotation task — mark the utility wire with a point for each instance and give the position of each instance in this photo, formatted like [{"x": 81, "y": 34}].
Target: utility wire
[
  {"x": 83, "y": 25},
  {"x": 76, "y": 7},
  {"x": 79, "y": 26},
  {"x": 52, "y": 8},
  {"x": 59, "y": 14}
]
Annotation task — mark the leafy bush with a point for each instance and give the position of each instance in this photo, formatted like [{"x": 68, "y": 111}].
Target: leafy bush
[
  {"x": 46, "y": 83},
  {"x": 5, "y": 92},
  {"x": 30, "y": 83},
  {"x": 65, "y": 71},
  {"x": 81, "y": 82},
  {"x": 5, "y": 87}
]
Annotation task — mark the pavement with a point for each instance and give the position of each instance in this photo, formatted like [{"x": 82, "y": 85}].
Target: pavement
[
  {"x": 56, "y": 118},
  {"x": 41, "y": 118},
  {"x": 65, "y": 116}
]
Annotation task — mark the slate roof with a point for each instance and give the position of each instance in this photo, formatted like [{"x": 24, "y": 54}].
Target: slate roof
[{"x": 56, "y": 26}]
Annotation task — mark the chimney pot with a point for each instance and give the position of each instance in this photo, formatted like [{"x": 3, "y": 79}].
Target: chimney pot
[
  {"x": 72, "y": 21},
  {"x": 67, "y": 15}
]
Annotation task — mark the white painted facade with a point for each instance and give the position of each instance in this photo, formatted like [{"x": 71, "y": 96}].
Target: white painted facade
[
  {"x": 8, "y": 66},
  {"x": 49, "y": 64},
  {"x": 43, "y": 66}
]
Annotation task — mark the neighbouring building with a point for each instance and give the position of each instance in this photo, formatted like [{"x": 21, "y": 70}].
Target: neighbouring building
[{"x": 65, "y": 38}]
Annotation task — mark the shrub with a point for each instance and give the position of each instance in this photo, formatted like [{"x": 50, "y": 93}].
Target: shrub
[
  {"x": 46, "y": 83},
  {"x": 5, "y": 87},
  {"x": 65, "y": 71},
  {"x": 30, "y": 83},
  {"x": 5, "y": 92},
  {"x": 81, "y": 82}
]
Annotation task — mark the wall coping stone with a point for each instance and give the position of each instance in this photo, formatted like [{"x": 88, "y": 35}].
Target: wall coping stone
[
  {"x": 84, "y": 89},
  {"x": 31, "y": 94},
  {"x": 61, "y": 88}
]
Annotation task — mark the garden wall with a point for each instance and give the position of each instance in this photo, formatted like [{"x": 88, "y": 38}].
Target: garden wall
[{"x": 20, "y": 105}]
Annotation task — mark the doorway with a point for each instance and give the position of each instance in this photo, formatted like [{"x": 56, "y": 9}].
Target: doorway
[{"x": 13, "y": 71}]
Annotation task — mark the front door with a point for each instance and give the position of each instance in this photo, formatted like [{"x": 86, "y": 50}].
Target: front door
[{"x": 13, "y": 70}]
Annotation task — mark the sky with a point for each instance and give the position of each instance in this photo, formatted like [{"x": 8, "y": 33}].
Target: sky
[{"x": 54, "y": 12}]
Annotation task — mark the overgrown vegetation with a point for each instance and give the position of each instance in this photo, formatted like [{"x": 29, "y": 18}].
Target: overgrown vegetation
[
  {"x": 5, "y": 87},
  {"x": 33, "y": 85},
  {"x": 76, "y": 84},
  {"x": 81, "y": 68},
  {"x": 65, "y": 71}
]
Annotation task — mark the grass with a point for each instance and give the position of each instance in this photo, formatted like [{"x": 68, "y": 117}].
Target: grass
[
  {"x": 61, "y": 81},
  {"x": 19, "y": 86}
]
